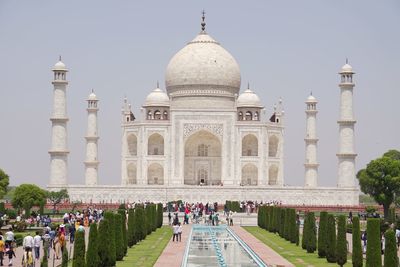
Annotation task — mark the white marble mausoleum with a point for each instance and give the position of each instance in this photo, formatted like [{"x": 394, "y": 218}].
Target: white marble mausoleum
[{"x": 203, "y": 139}]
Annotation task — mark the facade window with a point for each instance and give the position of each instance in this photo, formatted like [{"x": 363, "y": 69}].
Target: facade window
[
  {"x": 202, "y": 176},
  {"x": 202, "y": 150},
  {"x": 149, "y": 115},
  {"x": 155, "y": 151},
  {"x": 165, "y": 115},
  {"x": 240, "y": 117},
  {"x": 256, "y": 116},
  {"x": 248, "y": 116}
]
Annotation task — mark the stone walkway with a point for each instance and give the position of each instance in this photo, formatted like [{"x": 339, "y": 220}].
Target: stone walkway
[
  {"x": 173, "y": 253},
  {"x": 268, "y": 255}
]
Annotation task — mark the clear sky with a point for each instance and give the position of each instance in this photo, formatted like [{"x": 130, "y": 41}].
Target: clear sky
[{"x": 284, "y": 49}]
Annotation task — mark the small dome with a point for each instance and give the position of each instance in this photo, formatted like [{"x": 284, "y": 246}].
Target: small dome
[
  {"x": 157, "y": 98},
  {"x": 249, "y": 99},
  {"x": 347, "y": 68},
  {"x": 311, "y": 99},
  {"x": 92, "y": 96},
  {"x": 60, "y": 66}
]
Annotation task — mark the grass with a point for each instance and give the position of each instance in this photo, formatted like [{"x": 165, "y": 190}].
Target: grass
[
  {"x": 147, "y": 251},
  {"x": 291, "y": 252}
]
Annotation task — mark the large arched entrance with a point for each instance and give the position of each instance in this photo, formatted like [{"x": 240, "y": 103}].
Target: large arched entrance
[{"x": 202, "y": 159}]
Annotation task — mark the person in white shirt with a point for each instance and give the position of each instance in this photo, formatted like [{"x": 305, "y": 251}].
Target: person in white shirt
[
  {"x": 28, "y": 243},
  {"x": 175, "y": 229},
  {"x": 36, "y": 242},
  {"x": 179, "y": 233}
]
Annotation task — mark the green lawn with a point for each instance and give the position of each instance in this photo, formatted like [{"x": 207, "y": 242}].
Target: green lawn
[
  {"x": 291, "y": 252},
  {"x": 147, "y": 251}
]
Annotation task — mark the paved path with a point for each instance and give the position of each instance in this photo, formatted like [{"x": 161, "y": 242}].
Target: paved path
[
  {"x": 268, "y": 255},
  {"x": 173, "y": 253}
]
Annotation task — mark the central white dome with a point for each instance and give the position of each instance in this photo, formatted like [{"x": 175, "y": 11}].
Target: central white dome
[{"x": 203, "y": 64}]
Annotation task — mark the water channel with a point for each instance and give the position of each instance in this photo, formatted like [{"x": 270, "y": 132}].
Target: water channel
[{"x": 218, "y": 246}]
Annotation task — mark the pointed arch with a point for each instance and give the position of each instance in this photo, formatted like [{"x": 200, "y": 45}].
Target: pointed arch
[
  {"x": 273, "y": 175},
  {"x": 155, "y": 174},
  {"x": 132, "y": 144},
  {"x": 250, "y": 145},
  {"x": 249, "y": 174},
  {"x": 131, "y": 173},
  {"x": 273, "y": 145},
  {"x": 155, "y": 144}
]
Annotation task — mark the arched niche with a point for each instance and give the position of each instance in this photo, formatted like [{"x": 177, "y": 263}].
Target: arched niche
[
  {"x": 132, "y": 144},
  {"x": 249, "y": 174},
  {"x": 155, "y": 145},
  {"x": 250, "y": 145},
  {"x": 155, "y": 174},
  {"x": 273, "y": 175},
  {"x": 273, "y": 145},
  {"x": 131, "y": 173}
]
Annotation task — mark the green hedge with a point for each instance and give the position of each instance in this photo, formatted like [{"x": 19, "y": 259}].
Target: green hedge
[
  {"x": 374, "y": 243},
  {"x": 391, "y": 258},
  {"x": 331, "y": 239},
  {"x": 92, "y": 257},
  {"x": 341, "y": 246},
  {"x": 357, "y": 256},
  {"x": 233, "y": 205},
  {"x": 79, "y": 249},
  {"x": 323, "y": 221}
]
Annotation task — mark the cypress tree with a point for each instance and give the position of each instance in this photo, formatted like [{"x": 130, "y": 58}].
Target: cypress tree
[
  {"x": 160, "y": 214},
  {"x": 293, "y": 227},
  {"x": 374, "y": 243},
  {"x": 323, "y": 220},
  {"x": 391, "y": 258},
  {"x": 140, "y": 223},
  {"x": 281, "y": 222},
  {"x": 124, "y": 232},
  {"x": 304, "y": 238},
  {"x": 103, "y": 244},
  {"x": 92, "y": 256},
  {"x": 131, "y": 228},
  {"x": 357, "y": 257},
  {"x": 259, "y": 215},
  {"x": 112, "y": 249},
  {"x": 65, "y": 259},
  {"x": 296, "y": 236},
  {"x": 331, "y": 239},
  {"x": 286, "y": 224},
  {"x": 78, "y": 259},
  {"x": 341, "y": 246},
  {"x": 311, "y": 242},
  {"x": 274, "y": 219},
  {"x": 392, "y": 215},
  {"x": 271, "y": 218},
  {"x": 119, "y": 240}
]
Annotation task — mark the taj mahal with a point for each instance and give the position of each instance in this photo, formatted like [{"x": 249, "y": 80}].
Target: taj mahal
[{"x": 204, "y": 138}]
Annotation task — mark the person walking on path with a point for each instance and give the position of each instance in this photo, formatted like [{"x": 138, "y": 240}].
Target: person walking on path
[
  {"x": 2, "y": 248},
  {"x": 36, "y": 242},
  {"x": 180, "y": 232},
  {"x": 47, "y": 242},
  {"x": 9, "y": 246},
  {"x": 175, "y": 229}
]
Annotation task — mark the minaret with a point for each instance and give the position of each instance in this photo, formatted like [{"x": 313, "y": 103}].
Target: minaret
[
  {"x": 91, "y": 162},
  {"x": 346, "y": 155},
  {"x": 59, "y": 146},
  {"x": 311, "y": 163}
]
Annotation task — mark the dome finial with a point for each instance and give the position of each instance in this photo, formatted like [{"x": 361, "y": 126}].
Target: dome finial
[
  {"x": 59, "y": 58},
  {"x": 347, "y": 60},
  {"x": 248, "y": 85},
  {"x": 158, "y": 85},
  {"x": 203, "y": 23}
]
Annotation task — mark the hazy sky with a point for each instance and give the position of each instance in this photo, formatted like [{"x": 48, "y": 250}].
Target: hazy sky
[{"x": 284, "y": 49}]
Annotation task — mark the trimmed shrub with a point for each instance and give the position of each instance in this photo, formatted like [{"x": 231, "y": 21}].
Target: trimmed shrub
[
  {"x": 357, "y": 257},
  {"x": 374, "y": 243},
  {"x": 124, "y": 231},
  {"x": 92, "y": 256},
  {"x": 281, "y": 221},
  {"x": 392, "y": 215},
  {"x": 103, "y": 244},
  {"x": 286, "y": 227},
  {"x": 323, "y": 220},
  {"x": 311, "y": 242},
  {"x": 331, "y": 239},
  {"x": 112, "y": 249},
  {"x": 131, "y": 228},
  {"x": 293, "y": 226},
  {"x": 78, "y": 259},
  {"x": 305, "y": 233},
  {"x": 119, "y": 240},
  {"x": 65, "y": 258},
  {"x": 341, "y": 246},
  {"x": 160, "y": 216},
  {"x": 391, "y": 258},
  {"x": 296, "y": 236}
]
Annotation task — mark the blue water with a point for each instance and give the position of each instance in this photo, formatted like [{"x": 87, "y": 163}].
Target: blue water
[{"x": 218, "y": 246}]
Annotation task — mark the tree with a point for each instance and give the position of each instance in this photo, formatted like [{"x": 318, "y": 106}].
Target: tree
[
  {"x": 160, "y": 215},
  {"x": 131, "y": 228},
  {"x": 374, "y": 243},
  {"x": 305, "y": 233},
  {"x": 104, "y": 244},
  {"x": 78, "y": 259},
  {"x": 56, "y": 197},
  {"x": 357, "y": 257},
  {"x": 381, "y": 180},
  {"x": 341, "y": 246},
  {"x": 393, "y": 154},
  {"x": 323, "y": 220},
  {"x": 311, "y": 242},
  {"x": 124, "y": 231},
  {"x": 65, "y": 258},
  {"x": 28, "y": 195},
  {"x": 4, "y": 181},
  {"x": 119, "y": 240},
  {"x": 92, "y": 256},
  {"x": 331, "y": 239},
  {"x": 391, "y": 258},
  {"x": 112, "y": 249},
  {"x": 293, "y": 226}
]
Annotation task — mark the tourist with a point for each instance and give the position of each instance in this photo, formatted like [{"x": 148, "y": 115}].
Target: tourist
[
  {"x": 28, "y": 244},
  {"x": 175, "y": 230},
  {"x": 71, "y": 230},
  {"x": 230, "y": 218},
  {"x": 2, "y": 249},
  {"x": 180, "y": 232},
  {"x": 36, "y": 242},
  {"x": 398, "y": 237},
  {"x": 364, "y": 239},
  {"x": 47, "y": 242}
]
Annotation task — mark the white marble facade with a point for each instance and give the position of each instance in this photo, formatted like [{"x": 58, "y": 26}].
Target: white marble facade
[{"x": 201, "y": 139}]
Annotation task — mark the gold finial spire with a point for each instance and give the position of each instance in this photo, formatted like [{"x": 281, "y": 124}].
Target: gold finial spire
[
  {"x": 158, "y": 85},
  {"x": 59, "y": 58},
  {"x": 347, "y": 60},
  {"x": 203, "y": 23}
]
